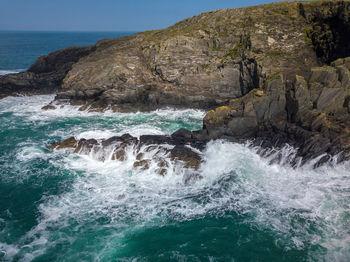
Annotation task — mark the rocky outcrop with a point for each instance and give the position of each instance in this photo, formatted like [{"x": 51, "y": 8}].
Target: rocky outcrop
[
  {"x": 45, "y": 75},
  {"x": 310, "y": 114},
  {"x": 181, "y": 148},
  {"x": 207, "y": 60}
]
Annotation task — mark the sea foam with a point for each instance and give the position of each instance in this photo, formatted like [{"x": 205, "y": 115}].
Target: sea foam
[
  {"x": 291, "y": 202},
  {"x": 302, "y": 205}
]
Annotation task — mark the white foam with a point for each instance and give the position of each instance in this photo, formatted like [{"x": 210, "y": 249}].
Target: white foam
[
  {"x": 27, "y": 153},
  {"x": 7, "y": 252},
  {"x": 143, "y": 129},
  {"x": 29, "y": 109},
  {"x": 302, "y": 205},
  {"x": 6, "y": 72},
  {"x": 276, "y": 197}
]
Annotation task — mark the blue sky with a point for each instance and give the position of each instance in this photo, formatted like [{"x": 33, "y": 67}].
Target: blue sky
[{"x": 105, "y": 15}]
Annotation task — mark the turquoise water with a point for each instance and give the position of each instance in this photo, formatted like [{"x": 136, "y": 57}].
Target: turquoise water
[
  {"x": 59, "y": 206},
  {"x": 18, "y": 50}
]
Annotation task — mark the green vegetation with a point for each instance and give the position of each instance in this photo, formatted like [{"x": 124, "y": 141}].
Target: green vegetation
[
  {"x": 235, "y": 52},
  {"x": 205, "y": 66}
]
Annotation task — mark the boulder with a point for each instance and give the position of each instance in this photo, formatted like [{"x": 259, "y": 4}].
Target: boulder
[
  {"x": 68, "y": 143},
  {"x": 48, "y": 107}
]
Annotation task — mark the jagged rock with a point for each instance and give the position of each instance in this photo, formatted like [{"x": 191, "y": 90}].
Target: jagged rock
[
  {"x": 159, "y": 146},
  {"x": 294, "y": 112},
  {"x": 143, "y": 164},
  {"x": 188, "y": 156},
  {"x": 68, "y": 143},
  {"x": 119, "y": 155},
  {"x": 84, "y": 146},
  {"x": 48, "y": 107},
  {"x": 326, "y": 76},
  {"x": 200, "y": 62}
]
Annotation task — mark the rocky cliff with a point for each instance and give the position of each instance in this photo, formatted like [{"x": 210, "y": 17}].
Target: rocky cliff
[
  {"x": 278, "y": 73},
  {"x": 45, "y": 75}
]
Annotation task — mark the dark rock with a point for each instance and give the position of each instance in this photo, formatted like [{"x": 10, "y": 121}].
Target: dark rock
[
  {"x": 68, "y": 143},
  {"x": 119, "y": 155},
  {"x": 156, "y": 145},
  {"x": 279, "y": 76},
  {"x": 45, "y": 75},
  {"x": 311, "y": 119},
  {"x": 84, "y": 146},
  {"x": 143, "y": 164},
  {"x": 182, "y": 135},
  {"x": 188, "y": 156},
  {"x": 139, "y": 156},
  {"x": 48, "y": 107},
  {"x": 154, "y": 140}
]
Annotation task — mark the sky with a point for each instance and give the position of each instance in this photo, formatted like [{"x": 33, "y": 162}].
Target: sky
[{"x": 105, "y": 15}]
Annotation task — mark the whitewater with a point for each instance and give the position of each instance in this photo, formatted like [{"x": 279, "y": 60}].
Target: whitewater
[{"x": 56, "y": 205}]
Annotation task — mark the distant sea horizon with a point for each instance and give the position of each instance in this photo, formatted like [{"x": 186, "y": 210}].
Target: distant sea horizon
[{"x": 19, "y": 49}]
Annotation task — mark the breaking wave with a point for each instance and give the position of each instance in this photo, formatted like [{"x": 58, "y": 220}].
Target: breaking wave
[
  {"x": 105, "y": 209},
  {"x": 6, "y": 72}
]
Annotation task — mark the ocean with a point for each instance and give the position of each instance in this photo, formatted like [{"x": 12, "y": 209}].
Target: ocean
[{"x": 59, "y": 206}]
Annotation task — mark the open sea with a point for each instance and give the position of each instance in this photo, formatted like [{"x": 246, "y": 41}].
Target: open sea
[{"x": 59, "y": 206}]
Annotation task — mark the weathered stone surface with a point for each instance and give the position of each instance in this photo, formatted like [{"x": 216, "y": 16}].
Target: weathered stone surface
[
  {"x": 314, "y": 119},
  {"x": 143, "y": 164},
  {"x": 201, "y": 62},
  {"x": 185, "y": 154},
  {"x": 68, "y": 143},
  {"x": 326, "y": 76}
]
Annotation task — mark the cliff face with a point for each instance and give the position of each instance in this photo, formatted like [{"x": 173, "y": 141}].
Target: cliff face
[
  {"x": 209, "y": 59},
  {"x": 275, "y": 71},
  {"x": 310, "y": 114},
  {"x": 202, "y": 62}
]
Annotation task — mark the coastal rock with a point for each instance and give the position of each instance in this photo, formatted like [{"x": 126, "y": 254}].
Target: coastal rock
[
  {"x": 210, "y": 59},
  {"x": 45, "y": 76},
  {"x": 176, "y": 148},
  {"x": 186, "y": 155},
  {"x": 48, "y": 107},
  {"x": 312, "y": 116},
  {"x": 68, "y": 143},
  {"x": 201, "y": 62}
]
